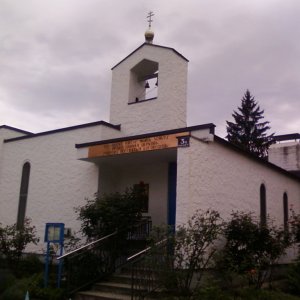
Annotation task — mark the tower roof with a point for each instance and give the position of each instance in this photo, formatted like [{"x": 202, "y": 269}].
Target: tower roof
[{"x": 150, "y": 45}]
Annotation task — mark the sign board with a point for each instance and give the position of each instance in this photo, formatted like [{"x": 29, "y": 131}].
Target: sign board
[
  {"x": 136, "y": 145},
  {"x": 183, "y": 141},
  {"x": 54, "y": 232}
]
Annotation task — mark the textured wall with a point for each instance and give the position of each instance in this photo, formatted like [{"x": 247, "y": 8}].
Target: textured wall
[
  {"x": 6, "y": 133},
  {"x": 286, "y": 155},
  {"x": 58, "y": 181},
  {"x": 212, "y": 176},
  {"x": 168, "y": 111}
]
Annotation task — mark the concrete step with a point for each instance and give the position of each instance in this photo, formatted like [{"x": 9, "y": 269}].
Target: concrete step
[
  {"x": 115, "y": 287},
  {"x": 118, "y": 287},
  {"x": 97, "y": 295},
  {"x": 121, "y": 278}
]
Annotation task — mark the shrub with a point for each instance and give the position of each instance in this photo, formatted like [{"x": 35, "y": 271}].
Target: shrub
[
  {"x": 34, "y": 285},
  {"x": 192, "y": 250},
  {"x": 6, "y": 279},
  {"x": 13, "y": 241},
  {"x": 108, "y": 213},
  {"x": 251, "y": 249}
]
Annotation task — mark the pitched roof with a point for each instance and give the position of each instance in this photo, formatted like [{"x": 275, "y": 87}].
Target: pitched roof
[
  {"x": 14, "y": 129},
  {"x": 150, "y": 45},
  {"x": 33, "y": 135}
]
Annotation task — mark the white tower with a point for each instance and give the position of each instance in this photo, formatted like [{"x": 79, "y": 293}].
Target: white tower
[{"x": 149, "y": 88}]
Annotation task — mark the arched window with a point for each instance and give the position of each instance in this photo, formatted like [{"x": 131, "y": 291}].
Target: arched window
[
  {"x": 23, "y": 195},
  {"x": 263, "y": 206},
  {"x": 285, "y": 211}
]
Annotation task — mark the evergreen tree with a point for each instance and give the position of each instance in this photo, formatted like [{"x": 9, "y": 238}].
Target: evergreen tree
[{"x": 248, "y": 132}]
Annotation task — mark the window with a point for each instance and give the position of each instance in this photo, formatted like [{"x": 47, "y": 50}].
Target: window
[
  {"x": 23, "y": 195},
  {"x": 285, "y": 212},
  {"x": 263, "y": 206}
]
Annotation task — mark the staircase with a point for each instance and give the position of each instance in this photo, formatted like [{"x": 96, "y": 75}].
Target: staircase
[
  {"x": 118, "y": 288},
  {"x": 98, "y": 260},
  {"x": 139, "y": 279}
]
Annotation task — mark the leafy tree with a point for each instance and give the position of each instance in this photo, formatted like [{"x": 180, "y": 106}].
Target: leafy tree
[{"x": 247, "y": 131}]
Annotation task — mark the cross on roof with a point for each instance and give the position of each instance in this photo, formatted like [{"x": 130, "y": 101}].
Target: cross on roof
[{"x": 150, "y": 14}]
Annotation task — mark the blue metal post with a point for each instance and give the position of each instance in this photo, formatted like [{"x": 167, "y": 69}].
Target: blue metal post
[{"x": 46, "y": 274}]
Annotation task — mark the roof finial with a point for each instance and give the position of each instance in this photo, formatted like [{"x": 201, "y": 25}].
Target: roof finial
[
  {"x": 149, "y": 34},
  {"x": 149, "y": 16}
]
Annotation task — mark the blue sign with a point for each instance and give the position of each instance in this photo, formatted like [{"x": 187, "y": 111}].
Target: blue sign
[
  {"x": 54, "y": 233},
  {"x": 183, "y": 141}
]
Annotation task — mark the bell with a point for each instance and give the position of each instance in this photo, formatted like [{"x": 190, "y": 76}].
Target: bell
[{"x": 147, "y": 85}]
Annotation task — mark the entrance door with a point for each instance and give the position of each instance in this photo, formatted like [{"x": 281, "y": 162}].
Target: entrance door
[{"x": 172, "y": 179}]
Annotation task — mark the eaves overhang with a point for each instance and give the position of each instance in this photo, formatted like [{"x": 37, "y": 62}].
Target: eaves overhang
[
  {"x": 209, "y": 126},
  {"x": 33, "y": 135},
  {"x": 142, "y": 143}
]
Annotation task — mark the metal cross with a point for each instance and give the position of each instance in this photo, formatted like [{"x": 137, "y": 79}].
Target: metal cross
[{"x": 150, "y": 14}]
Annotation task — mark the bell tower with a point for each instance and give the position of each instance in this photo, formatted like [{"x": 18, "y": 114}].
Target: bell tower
[{"x": 149, "y": 87}]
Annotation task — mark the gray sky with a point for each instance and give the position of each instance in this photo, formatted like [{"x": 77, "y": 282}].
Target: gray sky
[{"x": 55, "y": 57}]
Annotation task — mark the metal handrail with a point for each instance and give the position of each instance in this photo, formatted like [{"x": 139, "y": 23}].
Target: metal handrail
[
  {"x": 87, "y": 245},
  {"x": 145, "y": 267},
  {"x": 145, "y": 250},
  {"x": 98, "y": 259}
]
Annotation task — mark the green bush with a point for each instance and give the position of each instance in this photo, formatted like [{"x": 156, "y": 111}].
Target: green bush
[
  {"x": 13, "y": 241},
  {"x": 293, "y": 278},
  {"x": 16, "y": 291},
  {"x": 6, "y": 279},
  {"x": 113, "y": 212},
  {"x": 252, "y": 250},
  {"x": 28, "y": 265},
  {"x": 254, "y": 294},
  {"x": 189, "y": 252},
  {"x": 34, "y": 286}
]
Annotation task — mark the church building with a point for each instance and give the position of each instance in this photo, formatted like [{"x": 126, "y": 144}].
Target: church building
[{"x": 43, "y": 176}]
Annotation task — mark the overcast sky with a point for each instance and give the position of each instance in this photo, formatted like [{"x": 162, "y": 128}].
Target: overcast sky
[{"x": 56, "y": 56}]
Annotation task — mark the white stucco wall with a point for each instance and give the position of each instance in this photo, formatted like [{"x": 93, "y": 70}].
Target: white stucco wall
[
  {"x": 58, "y": 181},
  {"x": 211, "y": 175},
  {"x": 168, "y": 111},
  {"x": 6, "y": 133},
  {"x": 286, "y": 155}
]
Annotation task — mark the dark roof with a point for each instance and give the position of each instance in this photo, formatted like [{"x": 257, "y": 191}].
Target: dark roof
[
  {"x": 297, "y": 173},
  {"x": 209, "y": 126},
  {"x": 151, "y": 45},
  {"x": 287, "y": 137},
  {"x": 33, "y": 135},
  {"x": 15, "y": 129},
  {"x": 256, "y": 158}
]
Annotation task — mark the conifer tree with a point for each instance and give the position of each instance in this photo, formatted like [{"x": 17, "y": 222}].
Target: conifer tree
[{"x": 247, "y": 131}]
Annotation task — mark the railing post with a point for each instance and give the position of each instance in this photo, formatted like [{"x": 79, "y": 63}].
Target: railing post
[{"x": 132, "y": 281}]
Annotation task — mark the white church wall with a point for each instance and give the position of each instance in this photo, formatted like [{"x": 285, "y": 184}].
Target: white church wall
[
  {"x": 6, "y": 133},
  {"x": 168, "y": 111},
  {"x": 58, "y": 181},
  {"x": 286, "y": 155},
  {"x": 211, "y": 175}
]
